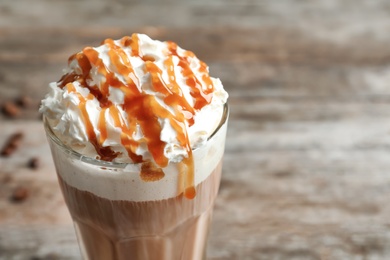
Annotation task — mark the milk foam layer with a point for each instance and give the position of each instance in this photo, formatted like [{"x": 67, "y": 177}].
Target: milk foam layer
[
  {"x": 63, "y": 106},
  {"x": 116, "y": 183}
]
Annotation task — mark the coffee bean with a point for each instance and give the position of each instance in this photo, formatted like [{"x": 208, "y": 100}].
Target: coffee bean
[
  {"x": 24, "y": 101},
  {"x": 10, "y": 109},
  {"x": 19, "y": 194},
  {"x": 33, "y": 163},
  {"x": 11, "y": 144},
  {"x": 6, "y": 179}
]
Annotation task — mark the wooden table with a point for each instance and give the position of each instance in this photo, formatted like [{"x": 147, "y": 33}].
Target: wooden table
[{"x": 306, "y": 170}]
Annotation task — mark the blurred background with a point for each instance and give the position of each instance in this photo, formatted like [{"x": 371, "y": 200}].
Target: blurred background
[{"x": 306, "y": 167}]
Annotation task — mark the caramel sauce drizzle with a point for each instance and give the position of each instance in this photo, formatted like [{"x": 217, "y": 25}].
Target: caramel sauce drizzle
[{"x": 141, "y": 109}]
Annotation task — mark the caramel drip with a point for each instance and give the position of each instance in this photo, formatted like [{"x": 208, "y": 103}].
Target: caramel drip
[
  {"x": 106, "y": 153},
  {"x": 102, "y": 125},
  {"x": 187, "y": 166},
  {"x": 126, "y": 134},
  {"x": 141, "y": 109},
  {"x": 201, "y": 95},
  {"x": 149, "y": 172},
  {"x": 174, "y": 98},
  {"x": 133, "y": 43}
]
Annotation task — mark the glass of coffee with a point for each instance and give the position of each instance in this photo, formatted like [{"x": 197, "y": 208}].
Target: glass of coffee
[
  {"x": 137, "y": 131},
  {"x": 116, "y": 219}
]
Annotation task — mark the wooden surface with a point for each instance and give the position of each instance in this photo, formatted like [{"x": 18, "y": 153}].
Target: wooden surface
[{"x": 307, "y": 161}]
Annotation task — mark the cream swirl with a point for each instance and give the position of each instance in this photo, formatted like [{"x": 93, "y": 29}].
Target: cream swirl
[{"x": 135, "y": 100}]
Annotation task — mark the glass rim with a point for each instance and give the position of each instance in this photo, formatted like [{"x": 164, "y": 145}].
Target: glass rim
[{"x": 76, "y": 155}]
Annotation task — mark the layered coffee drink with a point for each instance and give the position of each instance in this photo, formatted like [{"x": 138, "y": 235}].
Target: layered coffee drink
[
  {"x": 137, "y": 130},
  {"x": 174, "y": 228}
]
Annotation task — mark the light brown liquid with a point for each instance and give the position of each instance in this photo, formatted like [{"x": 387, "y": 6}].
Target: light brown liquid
[{"x": 174, "y": 228}]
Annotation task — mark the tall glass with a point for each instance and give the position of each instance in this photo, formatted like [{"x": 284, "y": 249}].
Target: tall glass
[{"x": 117, "y": 215}]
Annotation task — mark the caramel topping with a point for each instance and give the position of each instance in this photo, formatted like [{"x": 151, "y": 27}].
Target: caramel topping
[
  {"x": 201, "y": 95},
  {"x": 105, "y": 152},
  {"x": 149, "y": 172},
  {"x": 142, "y": 109}
]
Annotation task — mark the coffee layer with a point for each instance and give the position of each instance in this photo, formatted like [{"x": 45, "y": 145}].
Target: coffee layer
[{"x": 174, "y": 228}]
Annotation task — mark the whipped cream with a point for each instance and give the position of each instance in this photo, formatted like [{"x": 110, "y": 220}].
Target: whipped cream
[{"x": 133, "y": 100}]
